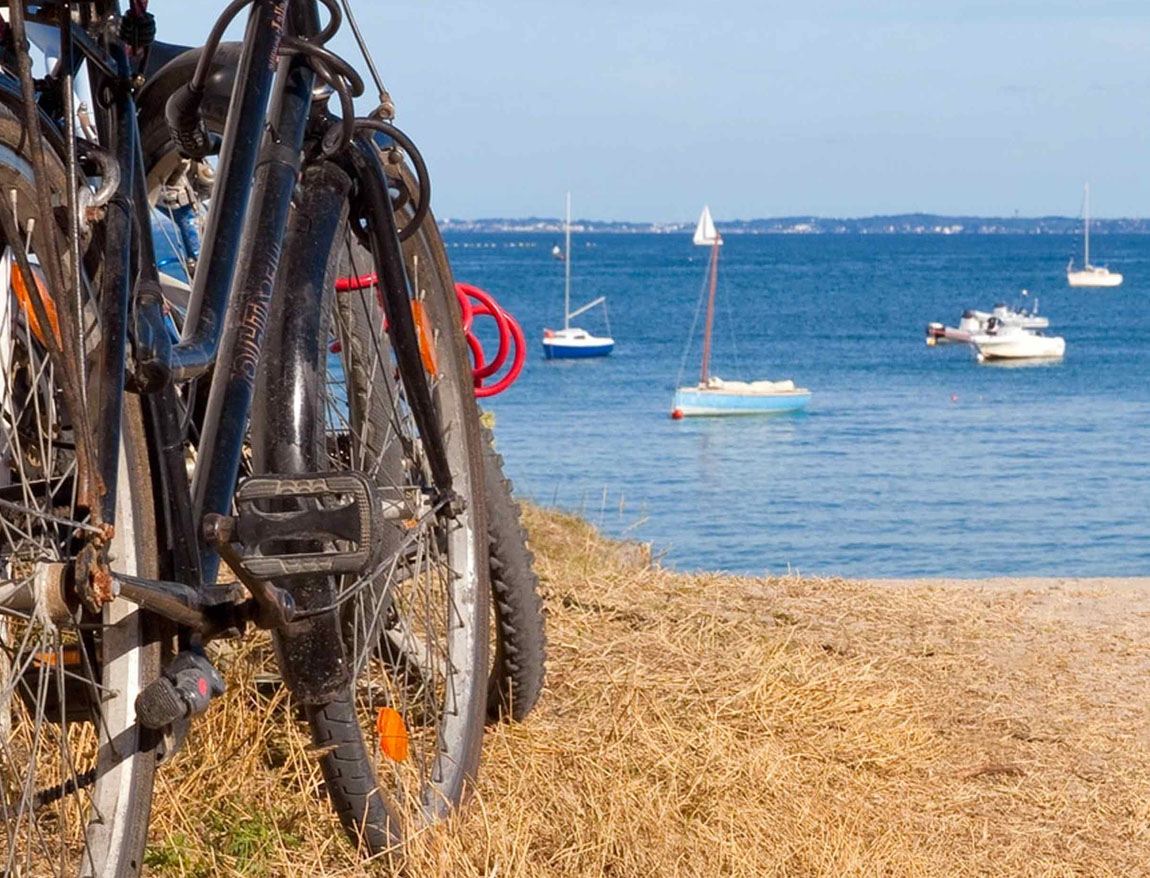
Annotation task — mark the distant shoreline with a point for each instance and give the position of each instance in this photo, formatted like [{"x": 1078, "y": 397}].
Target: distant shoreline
[{"x": 901, "y": 224}]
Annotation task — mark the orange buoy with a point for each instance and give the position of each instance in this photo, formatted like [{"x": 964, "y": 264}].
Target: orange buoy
[
  {"x": 676, "y": 414},
  {"x": 392, "y": 734}
]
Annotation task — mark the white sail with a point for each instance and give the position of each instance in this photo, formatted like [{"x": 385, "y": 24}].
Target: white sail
[{"x": 705, "y": 232}]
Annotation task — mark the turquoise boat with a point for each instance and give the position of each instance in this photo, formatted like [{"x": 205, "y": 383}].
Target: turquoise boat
[
  {"x": 721, "y": 397},
  {"x": 714, "y": 396}
]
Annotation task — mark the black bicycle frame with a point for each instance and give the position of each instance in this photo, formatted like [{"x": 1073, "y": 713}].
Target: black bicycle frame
[
  {"x": 259, "y": 161},
  {"x": 276, "y": 172},
  {"x": 257, "y": 176}
]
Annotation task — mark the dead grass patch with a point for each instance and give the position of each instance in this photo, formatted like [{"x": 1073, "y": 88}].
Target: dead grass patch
[{"x": 711, "y": 725}]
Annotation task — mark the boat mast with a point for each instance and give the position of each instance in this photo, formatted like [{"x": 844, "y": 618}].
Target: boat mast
[
  {"x": 1086, "y": 210},
  {"x": 567, "y": 269},
  {"x": 710, "y": 309}
]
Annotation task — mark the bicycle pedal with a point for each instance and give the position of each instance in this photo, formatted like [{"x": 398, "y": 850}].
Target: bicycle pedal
[
  {"x": 342, "y": 512},
  {"x": 184, "y": 690}
]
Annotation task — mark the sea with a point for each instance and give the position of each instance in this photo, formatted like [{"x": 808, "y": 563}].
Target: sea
[{"x": 910, "y": 461}]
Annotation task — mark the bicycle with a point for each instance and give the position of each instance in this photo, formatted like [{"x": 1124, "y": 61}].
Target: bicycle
[
  {"x": 180, "y": 191},
  {"x": 358, "y": 540}
]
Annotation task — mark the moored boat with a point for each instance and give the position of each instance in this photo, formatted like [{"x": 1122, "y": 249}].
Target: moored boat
[
  {"x": 1016, "y": 343},
  {"x": 1090, "y": 275},
  {"x": 574, "y": 344},
  {"x": 974, "y": 322},
  {"x": 719, "y": 397},
  {"x": 571, "y": 342},
  {"x": 712, "y": 395}
]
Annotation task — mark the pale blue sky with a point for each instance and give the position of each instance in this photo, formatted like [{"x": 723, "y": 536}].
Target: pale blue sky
[{"x": 646, "y": 109}]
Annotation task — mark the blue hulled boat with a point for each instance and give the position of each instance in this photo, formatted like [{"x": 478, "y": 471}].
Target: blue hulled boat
[
  {"x": 570, "y": 342},
  {"x": 721, "y": 397},
  {"x": 713, "y": 395},
  {"x": 574, "y": 344}
]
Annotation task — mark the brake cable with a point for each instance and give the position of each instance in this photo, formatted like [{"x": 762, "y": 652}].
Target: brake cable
[{"x": 386, "y": 108}]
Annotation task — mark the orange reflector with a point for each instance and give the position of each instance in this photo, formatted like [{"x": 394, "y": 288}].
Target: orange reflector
[
  {"x": 392, "y": 734},
  {"x": 48, "y": 658},
  {"x": 426, "y": 338},
  {"x": 25, "y": 300}
]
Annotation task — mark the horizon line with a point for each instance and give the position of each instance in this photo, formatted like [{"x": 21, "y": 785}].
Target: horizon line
[{"x": 807, "y": 216}]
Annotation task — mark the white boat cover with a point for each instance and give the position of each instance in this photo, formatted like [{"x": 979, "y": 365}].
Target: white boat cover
[{"x": 716, "y": 383}]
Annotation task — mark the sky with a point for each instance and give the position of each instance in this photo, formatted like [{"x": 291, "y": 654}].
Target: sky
[{"x": 645, "y": 110}]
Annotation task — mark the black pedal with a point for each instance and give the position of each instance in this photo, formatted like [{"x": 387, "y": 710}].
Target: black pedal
[
  {"x": 322, "y": 523},
  {"x": 184, "y": 690}
]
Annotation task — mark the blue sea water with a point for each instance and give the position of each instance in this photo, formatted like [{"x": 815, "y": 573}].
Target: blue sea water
[{"x": 910, "y": 461}]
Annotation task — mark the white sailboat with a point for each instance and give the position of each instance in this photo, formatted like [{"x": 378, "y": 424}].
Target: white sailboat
[
  {"x": 570, "y": 342},
  {"x": 712, "y": 395},
  {"x": 1090, "y": 275}
]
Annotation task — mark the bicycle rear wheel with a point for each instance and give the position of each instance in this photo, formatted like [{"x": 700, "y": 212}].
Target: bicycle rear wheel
[
  {"x": 400, "y": 747},
  {"x": 76, "y": 770}
]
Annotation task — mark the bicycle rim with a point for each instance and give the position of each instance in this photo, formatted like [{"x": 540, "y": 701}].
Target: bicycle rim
[
  {"x": 415, "y": 632},
  {"x": 75, "y": 785}
]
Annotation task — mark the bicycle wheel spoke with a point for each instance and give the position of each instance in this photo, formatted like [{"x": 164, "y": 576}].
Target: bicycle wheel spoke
[
  {"x": 64, "y": 691},
  {"x": 403, "y": 621}
]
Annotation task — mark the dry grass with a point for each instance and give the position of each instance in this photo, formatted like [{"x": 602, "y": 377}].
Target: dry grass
[{"x": 709, "y": 725}]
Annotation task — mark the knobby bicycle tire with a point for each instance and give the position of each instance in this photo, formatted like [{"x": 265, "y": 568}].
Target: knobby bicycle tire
[
  {"x": 518, "y": 666},
  {"x": 518, "y": 653},
  {"x": 415, "y": 633}
]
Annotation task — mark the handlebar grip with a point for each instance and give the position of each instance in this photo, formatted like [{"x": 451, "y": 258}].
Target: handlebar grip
[{"x": 185, "y": 124}]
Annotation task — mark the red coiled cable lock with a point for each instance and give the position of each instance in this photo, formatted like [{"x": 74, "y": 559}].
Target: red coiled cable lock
[{"x": 512, "y": 343}]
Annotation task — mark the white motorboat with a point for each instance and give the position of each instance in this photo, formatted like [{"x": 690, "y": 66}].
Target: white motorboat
[
  {"x": 1019, "y": 316},
  {"x": 1000, "y": 342},
  {"x": 1090, "y": 275},
  {"x": 975, "y": 322}
]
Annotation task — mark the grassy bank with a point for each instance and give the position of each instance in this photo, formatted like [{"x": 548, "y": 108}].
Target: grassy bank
[{"x": 710, "y": 725}]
